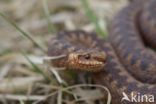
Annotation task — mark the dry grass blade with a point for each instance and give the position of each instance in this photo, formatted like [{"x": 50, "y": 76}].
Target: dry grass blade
[
  {"x": 18, "y": 84},
  {"x": 59, "y": 98},
  {"x": 52, "y": 69},
  {"x": 93, "y": 85},
  {"x": 22, "y": 97},
  {"x": 21, "y": 102},
  {"x": 67, "y": 89},
  {"x": 5, "y": 69}
]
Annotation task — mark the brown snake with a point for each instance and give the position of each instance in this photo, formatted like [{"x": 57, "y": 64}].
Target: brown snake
[{"x": 125, "y": 62}]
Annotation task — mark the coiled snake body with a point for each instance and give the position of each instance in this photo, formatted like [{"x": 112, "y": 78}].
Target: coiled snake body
[{"x": 126, "y": 62}]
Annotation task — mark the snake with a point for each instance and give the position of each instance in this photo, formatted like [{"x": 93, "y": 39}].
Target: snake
[{"x": 124, "y": 62}]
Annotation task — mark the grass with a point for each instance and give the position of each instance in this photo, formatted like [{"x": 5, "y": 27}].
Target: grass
[
  {"x": 27, "y": 35},
  {"x": 92, "y": 17},
  {"x": 4, "y": 52},
  {"x": 51, "y": 27},
  {"x": 35, "y": 68},
  {"x": 68, "y": 89}
]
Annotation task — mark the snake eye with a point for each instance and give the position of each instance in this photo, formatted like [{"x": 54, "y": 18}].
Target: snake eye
[{"x": 87, "y": 56}]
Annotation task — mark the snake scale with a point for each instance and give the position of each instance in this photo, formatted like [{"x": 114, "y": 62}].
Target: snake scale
[{"x": 125, "y": 62}]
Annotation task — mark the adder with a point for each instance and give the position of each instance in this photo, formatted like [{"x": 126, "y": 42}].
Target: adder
[{"x": 125, "y": 62}]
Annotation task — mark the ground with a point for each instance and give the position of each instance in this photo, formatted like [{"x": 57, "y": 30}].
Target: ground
[{"x": 25, "y": 29}]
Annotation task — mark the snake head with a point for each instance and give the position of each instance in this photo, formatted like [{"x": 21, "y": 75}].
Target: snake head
[{"x": 87, "y": 61}]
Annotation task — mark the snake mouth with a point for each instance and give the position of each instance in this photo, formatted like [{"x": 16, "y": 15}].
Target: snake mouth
[{"x": 87, "y": 61}]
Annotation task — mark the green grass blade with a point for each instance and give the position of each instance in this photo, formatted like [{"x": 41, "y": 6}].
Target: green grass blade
[
  {"x": 28, "y": 36},
  {"x": 35, "y": 67},
  {"x": 92, "y": 18},
  {"x": 4, "y": 52},
  {"x": 47, "y": 15}
]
